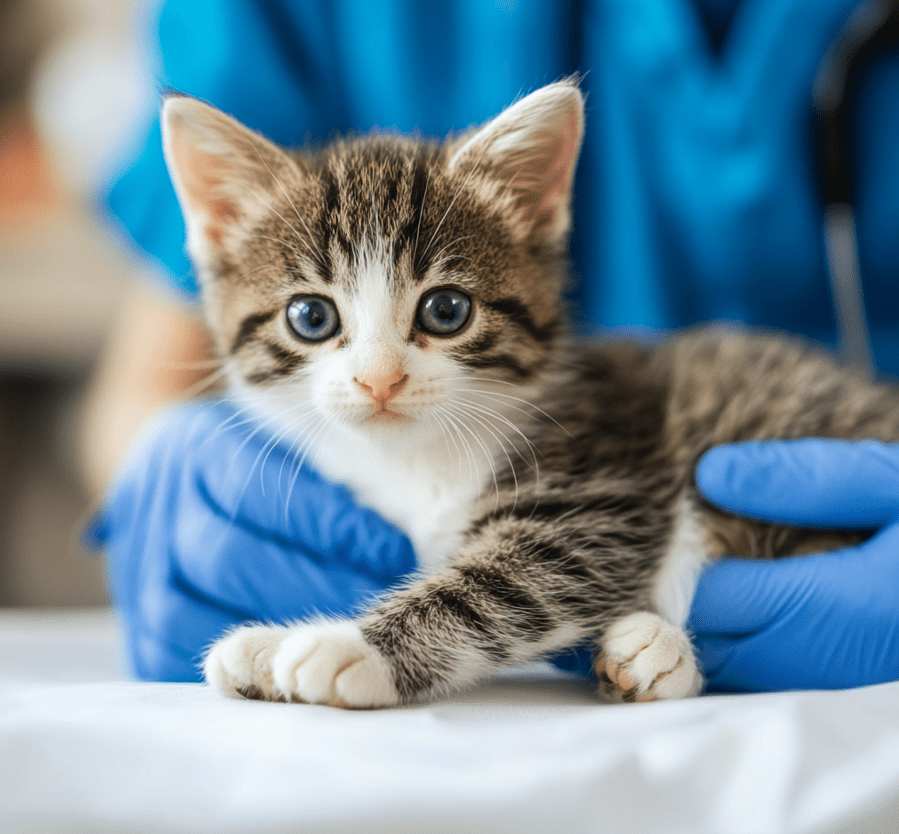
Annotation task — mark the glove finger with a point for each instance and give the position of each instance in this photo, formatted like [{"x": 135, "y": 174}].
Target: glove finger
[
  {"x": 814, "y": 482},
  {"x": 245, "y": 475},
  {"x": 736, "y": 597},
  {"x": 713, "y": 653},
  {"x": 249, "y": 570},
  {"x": 739, "y": 665},
  {"x": 167, "y": 642}
]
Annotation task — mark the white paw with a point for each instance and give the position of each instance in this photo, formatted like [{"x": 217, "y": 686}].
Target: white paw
[
  {"x": 316, "y": 663},
  {"x": 240, "y": 663},
  {"x": 645, "y": 658}
]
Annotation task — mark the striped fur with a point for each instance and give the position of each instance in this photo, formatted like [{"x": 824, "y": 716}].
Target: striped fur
[{"x": 547, "y": 486}]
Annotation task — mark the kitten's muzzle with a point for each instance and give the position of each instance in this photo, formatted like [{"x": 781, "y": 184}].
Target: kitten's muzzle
[{"x": 383, "y": 387}]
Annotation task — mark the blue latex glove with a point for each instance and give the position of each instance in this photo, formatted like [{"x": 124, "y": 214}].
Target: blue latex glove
[
  {"x": 209, "y": 525},
  {"x": 824, "y": 621}
]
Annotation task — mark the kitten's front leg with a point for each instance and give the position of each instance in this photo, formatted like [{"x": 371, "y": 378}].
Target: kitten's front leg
[
  {"x": 643, "y": 658},
  {"x": 512, "y": 596},
  {"x": 435, "y": 635}
]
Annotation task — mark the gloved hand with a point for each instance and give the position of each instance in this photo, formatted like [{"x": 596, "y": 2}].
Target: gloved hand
[
  {"x": 825, "y": 621},
  {"x": 210, "y": 525}
]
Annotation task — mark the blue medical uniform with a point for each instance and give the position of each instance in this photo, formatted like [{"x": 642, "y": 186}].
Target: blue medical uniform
[{"x": 696, "y": 197}]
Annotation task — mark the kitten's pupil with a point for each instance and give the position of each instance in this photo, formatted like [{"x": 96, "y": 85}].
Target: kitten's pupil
[
  {"x": 312, "y": 318},
  {"x": 445, "y": 308},
  {"x": 444, "y": 311}
]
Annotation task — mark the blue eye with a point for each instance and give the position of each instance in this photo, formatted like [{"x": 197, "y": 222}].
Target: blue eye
[
  {"x": 313, "y": 318},
  {"x": 444, "y": 311}
]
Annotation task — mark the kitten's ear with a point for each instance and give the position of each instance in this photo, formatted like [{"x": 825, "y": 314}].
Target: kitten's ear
[
  {"x": 224, "y": 174},
  {"x": 532, "y": 147}
]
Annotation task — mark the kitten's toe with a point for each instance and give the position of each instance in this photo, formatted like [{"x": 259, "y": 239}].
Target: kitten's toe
[
  {"x": 331, "y": 663},
  {"x": 240, "y": 663},
  {"x": 645, "y": 658}
]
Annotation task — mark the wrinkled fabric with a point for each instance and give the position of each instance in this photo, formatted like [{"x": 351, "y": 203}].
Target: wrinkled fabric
[{"x": 531, "y": 752}]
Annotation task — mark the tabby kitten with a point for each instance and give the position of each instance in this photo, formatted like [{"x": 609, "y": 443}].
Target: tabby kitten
[{"x": 394, "y": 308}]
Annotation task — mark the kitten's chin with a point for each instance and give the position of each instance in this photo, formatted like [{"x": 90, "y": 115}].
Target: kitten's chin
[
  {"x": 386, "y": 419},
  {"x": 383, "y": 416},
  {"x": 386, "y": 425}
]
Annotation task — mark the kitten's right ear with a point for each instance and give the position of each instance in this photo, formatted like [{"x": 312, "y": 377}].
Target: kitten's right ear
[
  {"x": 225, "y": 175},
  {"x": 533, "y": 148}
]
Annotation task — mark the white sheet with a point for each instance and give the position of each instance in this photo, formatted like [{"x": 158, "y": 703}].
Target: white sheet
[{"x": 82, "y": 750}]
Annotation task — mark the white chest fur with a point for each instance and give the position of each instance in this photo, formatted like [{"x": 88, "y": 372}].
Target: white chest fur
[
  {"x": 684, "y": 559},
  {"x": 416, "y": 482},
  {"x": 420, "y": 477},
  {"x": 426, "y": 485}
]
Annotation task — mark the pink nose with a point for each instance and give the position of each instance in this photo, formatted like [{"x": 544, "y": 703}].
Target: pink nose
[{"x": 383, "y": 387}]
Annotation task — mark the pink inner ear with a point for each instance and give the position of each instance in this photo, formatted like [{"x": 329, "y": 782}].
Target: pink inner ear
[
  {"x": 557, "y": 171},
  {"x": 223, "y": 212},
  {"x": 202, "y": 176}
]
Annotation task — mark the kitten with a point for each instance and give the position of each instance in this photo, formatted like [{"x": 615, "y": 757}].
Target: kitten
[{"x": 395, "y": 307}]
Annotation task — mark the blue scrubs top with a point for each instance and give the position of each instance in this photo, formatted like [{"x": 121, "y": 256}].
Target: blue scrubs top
[{"x": 696, "y": 196}]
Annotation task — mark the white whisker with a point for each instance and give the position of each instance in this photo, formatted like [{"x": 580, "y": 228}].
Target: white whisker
[
  {"x": 263, "y": 266},
  {"x": 507, "y": 396},
  {"x": 452, "y": 407},
  {"x": 328, "y": 422},
  {"x": 289, "y": 431},
  {"x": 281, "y": 242},
  {"x": 489, "y": 412},
  {"x": 474, "y": 471},
  {"x": 421, "y": 212},
  {"x": 447, "y": 438},
  {"x": 451, "y": 243},
  {"x": 207, "y": 382},
  {"x": 305, "y": 446},
  {"x": 300, "y": 447},
  {"x": 499, "y": 436}
]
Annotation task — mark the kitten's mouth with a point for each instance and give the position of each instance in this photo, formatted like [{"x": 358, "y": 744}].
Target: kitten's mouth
[{"x": 384, "y": 413}]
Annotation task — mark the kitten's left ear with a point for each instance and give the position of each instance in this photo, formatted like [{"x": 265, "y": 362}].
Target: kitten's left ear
[
  {"x": 225, "y": 175},
  {"x": 532, "y": 147}
]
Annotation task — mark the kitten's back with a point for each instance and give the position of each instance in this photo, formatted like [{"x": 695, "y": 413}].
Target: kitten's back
[{"x": 638, "y": 418}]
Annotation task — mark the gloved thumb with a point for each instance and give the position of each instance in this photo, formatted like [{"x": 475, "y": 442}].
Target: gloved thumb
[{"x": 238, "y": 471}]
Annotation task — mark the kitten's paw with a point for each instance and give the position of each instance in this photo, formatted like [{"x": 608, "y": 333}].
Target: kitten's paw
[
  {"x": 331, "y": 663},
  {"x": 318, "y": 663},
  {"x": 240, "y": 663},
  {"x": 645, "y": 658}
]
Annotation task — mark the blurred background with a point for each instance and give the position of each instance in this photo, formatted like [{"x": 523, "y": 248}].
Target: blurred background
[{"x": 71, "y": 93}]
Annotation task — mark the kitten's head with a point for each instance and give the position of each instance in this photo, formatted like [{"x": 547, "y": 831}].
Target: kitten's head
[{"x": 375, "y": 280}]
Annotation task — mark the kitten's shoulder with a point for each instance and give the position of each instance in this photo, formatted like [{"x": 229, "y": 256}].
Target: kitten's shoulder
[
  {"x": 606, "y": 365},
  {"x": 615, "y": 387}
]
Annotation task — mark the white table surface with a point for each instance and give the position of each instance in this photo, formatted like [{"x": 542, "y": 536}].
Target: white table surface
[{"x": 84, "y": 749}]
